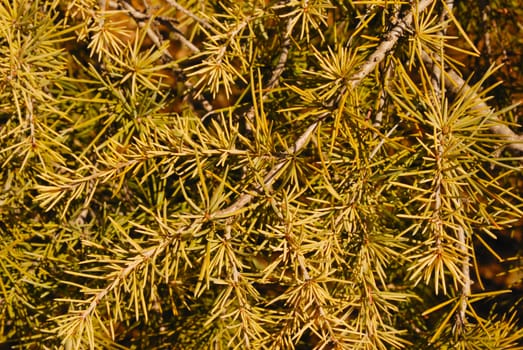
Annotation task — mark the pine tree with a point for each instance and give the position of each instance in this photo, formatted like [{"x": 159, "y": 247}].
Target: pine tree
[{"x": 256, "y": 174}]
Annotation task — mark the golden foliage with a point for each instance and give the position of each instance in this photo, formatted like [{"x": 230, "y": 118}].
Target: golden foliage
[{"x": 253, "y": 175}]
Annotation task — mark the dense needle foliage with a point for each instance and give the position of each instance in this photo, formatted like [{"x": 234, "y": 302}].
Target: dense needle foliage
[{"x": 258, "y": 174}]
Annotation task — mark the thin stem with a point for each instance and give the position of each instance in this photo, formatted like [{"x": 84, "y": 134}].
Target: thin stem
[
  {"x": 383, "y": 95},
  {"x": 188, "y": 13},
  {"x": 436, "y": 79},
  {"x": 382, "y": 141},
  {"x": 276, "y": 73},
  {"x": 465, "y": 268},
  {"x": 485, "y": 19},
  {"x": 445, "y": 14},
  {"x": 31, "y": 120},
  {"x": 103, "y": 7}
]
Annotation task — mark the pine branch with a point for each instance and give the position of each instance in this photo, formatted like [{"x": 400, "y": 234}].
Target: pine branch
[
  {"x": 375, "y": 58},
  {"x": 386, "y": 46},
  {"x": 457, "y": 84},
  {"x": 271, "y": 176}
]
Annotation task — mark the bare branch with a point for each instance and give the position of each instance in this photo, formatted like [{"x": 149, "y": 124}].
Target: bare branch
[
  {"x": 465, "y": 269},
  {"x": 276, "y": 73},
  {"x": 188, "y": 13}
]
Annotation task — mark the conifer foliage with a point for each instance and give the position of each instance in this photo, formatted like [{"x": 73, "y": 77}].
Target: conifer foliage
[{"x": 256, "y": 174}]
